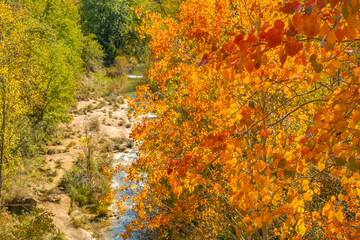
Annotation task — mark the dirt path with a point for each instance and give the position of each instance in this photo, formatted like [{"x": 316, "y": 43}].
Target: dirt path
[{"x": 113, "y": 123}]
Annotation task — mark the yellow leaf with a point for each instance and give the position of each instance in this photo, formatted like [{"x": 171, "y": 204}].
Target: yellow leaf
[
  {"x": 302, "y": 229},
  {"x": 308, "y": 195},
  {"x": 321, "y": 165},
  {"x": 339, "y": 216},
  {"x": 267, "y": 199},
  {"x": 247, "y": 219},
  {"x": 288, "y": 156},
  {"x": 305, "y": 185},
  {"x": 315, "y": 215}
]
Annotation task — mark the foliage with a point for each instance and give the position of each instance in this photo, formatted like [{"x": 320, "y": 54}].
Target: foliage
[
  {"x": 93, "y": 55},
  {"x": 85, "y": 190},
  {"x": 35, "y": 225},
  {"x": 85, "y": 183},
  {"x": 58, "y": 53},
  {"x": 19, "y": 88},
  {"x": 164, "y": 7},
  {"x": 258, "y": 133},
  {"x": 113, "y": 22},
  {"x": 120, "y": 67}
]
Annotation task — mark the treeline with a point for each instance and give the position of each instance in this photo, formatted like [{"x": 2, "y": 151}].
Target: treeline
[
  {"x": 46, "y": 48},
  {"x": 42, "y": 55},
  {"x": 42, "y": 47}
]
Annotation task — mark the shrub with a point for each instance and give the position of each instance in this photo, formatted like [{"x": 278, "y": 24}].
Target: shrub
[
  {"x": 120, "y": 67},
  {"x": 102, "y": 210},
  {"x": 34, "y": 225},
  {"x": 82, "y": 189}
]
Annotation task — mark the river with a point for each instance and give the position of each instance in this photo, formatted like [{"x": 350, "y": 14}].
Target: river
[{"x": 121, "y": 220}]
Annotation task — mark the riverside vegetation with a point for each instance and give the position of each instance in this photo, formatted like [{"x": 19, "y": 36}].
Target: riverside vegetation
[
  {"x": 256, "y": 134},
  {"x": 51, "y": 63}
]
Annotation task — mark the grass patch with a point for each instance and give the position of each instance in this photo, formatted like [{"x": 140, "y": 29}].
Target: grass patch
[{"x": 130, "y": 86}]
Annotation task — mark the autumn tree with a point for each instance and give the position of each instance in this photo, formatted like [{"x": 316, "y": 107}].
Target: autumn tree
[
  {"x": 18, "y": 84},
  {"x": 43, "y": 54},
  {"x": 258, "y": 133}
]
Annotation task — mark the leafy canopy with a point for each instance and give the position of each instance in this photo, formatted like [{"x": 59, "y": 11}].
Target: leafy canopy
[{"x": 258, "y": 130}]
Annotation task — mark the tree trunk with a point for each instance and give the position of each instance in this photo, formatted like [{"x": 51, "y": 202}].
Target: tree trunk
[{"x": 2, "y": 139}]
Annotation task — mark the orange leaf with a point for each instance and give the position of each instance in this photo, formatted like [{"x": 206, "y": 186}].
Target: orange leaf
[
  {"x": 249, "y": 65},
  {"x": 331, "y": 37},
  {"x": 321, "y": 165},
  {"x": 293, "y": 47},
  {"x": 340, "y": 33},
  {"x": 227, "y": 75},
  {"x": 297, "y": 21},
  {"x": 350, "y": 33},
  {"x": 282, "y": 56},
  {"x": 252, "y": 39},
  {"x": 353, "y": 22}
]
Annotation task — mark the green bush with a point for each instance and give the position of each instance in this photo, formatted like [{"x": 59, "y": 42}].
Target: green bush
[
  {"x": 120, "y": 67},
  {"x": 102, "y": 210},
  {"x": 34, "y": 225},
  {"x": 83, "y": 189}
]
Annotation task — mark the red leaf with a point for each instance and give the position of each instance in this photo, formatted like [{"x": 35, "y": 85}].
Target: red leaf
[
  {"x": 251, "y": 39},
  {"x": 303, "y": 140},
  {"x": 340, "y": 33},
  {"x": 288, "y": 8},
  {"x": 278, "y": 24},
  {"x": 291, "y": 7},
  {"x": 293, "y": 47},
  {"x": 204, "y": 60},
  {"x": 333, "y": 3},
  {"x": 291, "y": 32},
  {"x": 282, "y": 56},
  {"x": 309, "y": 3},
  {"x": 320, "y": 4},
  {"x": 239, "y": 38},
  {"x": 273, "y": 37}
]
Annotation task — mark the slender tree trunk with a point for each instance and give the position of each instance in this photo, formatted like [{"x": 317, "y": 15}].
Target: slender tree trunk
[{"x": 2, "y": 138}]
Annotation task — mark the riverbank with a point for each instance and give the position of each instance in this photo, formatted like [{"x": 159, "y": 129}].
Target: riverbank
[{"x": 113, "y": 131}]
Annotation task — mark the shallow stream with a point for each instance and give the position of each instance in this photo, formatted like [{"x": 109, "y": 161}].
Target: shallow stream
[{"x": 121, "y": 220}]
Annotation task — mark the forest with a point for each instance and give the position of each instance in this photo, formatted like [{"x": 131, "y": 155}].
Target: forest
[{"x": 179, "y": 119}]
